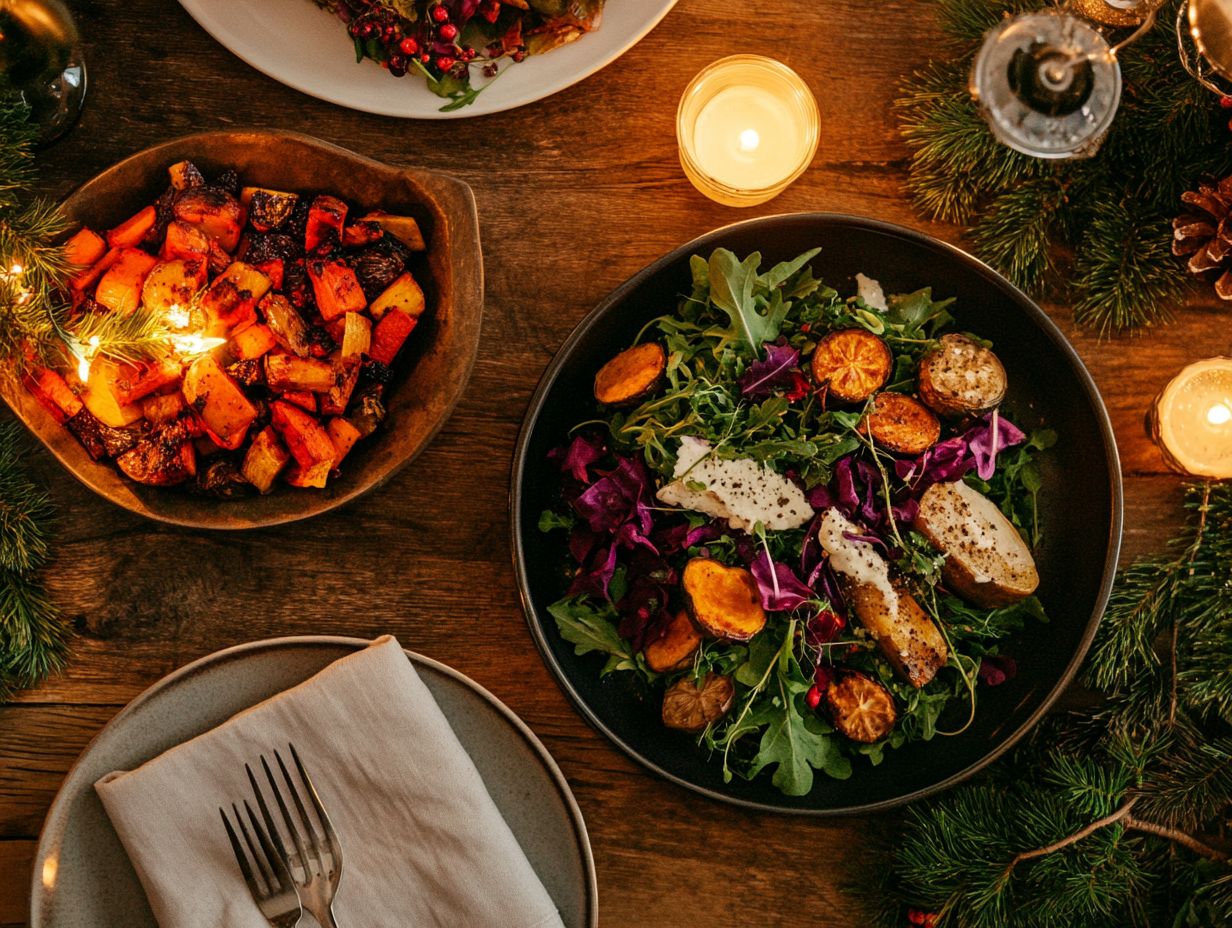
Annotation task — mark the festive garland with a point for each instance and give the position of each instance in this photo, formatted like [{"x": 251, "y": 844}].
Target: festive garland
[
  {"x": 1110, "y": 215},
  {"x": 1114, "y": 816}
]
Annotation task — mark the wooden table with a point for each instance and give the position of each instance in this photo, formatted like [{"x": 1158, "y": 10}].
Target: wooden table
[{"x": 575, "y": 194}]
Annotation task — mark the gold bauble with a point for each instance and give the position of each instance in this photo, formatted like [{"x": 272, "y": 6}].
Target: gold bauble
[
  {"x": 1100, "y": 11},
  {"x": 1210, "y": 24}
]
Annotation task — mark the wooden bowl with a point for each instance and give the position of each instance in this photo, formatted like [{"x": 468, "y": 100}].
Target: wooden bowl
[
  {"x": 429, "y": 375},
  {"x": 1080, "y": 506}
]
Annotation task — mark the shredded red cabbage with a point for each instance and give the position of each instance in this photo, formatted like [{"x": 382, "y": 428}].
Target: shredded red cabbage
[
  {"x": 995, "y": 670},
  {"x": 781, "y": 590},
  {"x": 773, "y": 372}
]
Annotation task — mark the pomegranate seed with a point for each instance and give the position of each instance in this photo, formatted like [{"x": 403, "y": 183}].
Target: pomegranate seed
[
  {"x": 445, "y": 63},
  {"x": 449, "y": 32},
  {"x": 408, "y": 46},
  {"x": 813, "y": 697},
  {"x": 440, "y": 14},
  {"x": 1226, "y": 102}
]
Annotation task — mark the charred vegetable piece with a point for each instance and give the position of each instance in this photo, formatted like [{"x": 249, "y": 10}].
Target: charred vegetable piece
[
  {"x": 346, "y": 375},
  {"x": 221, "y": 479},
  {"x": 254, "y": 341},
  {"x": 404, "y": 295},
  {"x": 230, "y": 302},
  {"x": 164, "y": 408},
  {"x": 852, "y": 364},
  {"x": 249, "y": 373},
  {"x": 214, "y": 211},
  {"x": 690, "y": 707},
  {"x": 986, "y": 560},
  {"x": 53, "y": 392},
  {"x": 356, "y": 337},
  {"x": 326, "y": 217},
  {"x": 390, "y": 335},
  {"x": 287, "y": 372},
  {"x": 361, "y": 233},
  {"x": 136, "y": 381},
  {"x": 368, "y": 411},
  {"x": 336, "y": 288},
  {"x": 164, "y": 459},
  {"x": 722, "y": 600},
  {"x": 229, "y": 181},
  {"x": 674, "y": 649},
  {"x": 84, "y": 248},
  {"x": 376, "y": 269},
  {"x": 267, "y": 209},
  {"x": 860, "y": 708},
  {"x": 184, "y": 241},
  {"x": 219, "y": 401},
  {"x": 131, "y": 231},
  {"x": 901, "y": 424},
  {"x": 961, "y": 377},
  {"x": 376, "y": 372},
  {"x": 119, "y": 289},
  {"x": 286, "y": 324},
  {"x": 184, "y": 174},
  {"x": 265, "y": 459},
  {"x": 276, "y": 246},
  {"x": 172, "y": 283},
  {"x": 632, "y": 375},
  {"x": 404, "y": 228},
  {"x": 344, "y": 435},
  {"x": 99, "y": 440}
]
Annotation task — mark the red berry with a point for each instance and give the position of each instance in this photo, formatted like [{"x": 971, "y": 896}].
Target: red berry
[
  {"x": 445, "y": 63},
  {"x": 425, "y": 57},
  {"x": 408, "y": 46},
  {"x": 1226, "y": 102},
  {"x": 440, "y": 14},
  {"x": 813, "y": 697},
  {"x": 468, "y": 54},
  {"x": 519, "y": 55},
  {"x": 449, "y": 32}
]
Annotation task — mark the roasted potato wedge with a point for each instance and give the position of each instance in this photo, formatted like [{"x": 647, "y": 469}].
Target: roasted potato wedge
[
  {"x": 860, "y": 707},
  {"x": 852, "y": 364},
  {"x": 631, "y": 376},
  {"x": 986, "y": 562},
  {"x": 901, "y": 424},
  {"x": 689, "y": 707},
  {"x": 675, "y": 649},
  {"x": 960, "y": 377},
  {"x": 722, "y": 600},
  {"x": 214, "y": 211}
]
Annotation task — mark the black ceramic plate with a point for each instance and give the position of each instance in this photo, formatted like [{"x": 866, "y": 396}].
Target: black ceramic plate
[{"x": 1080, "y": 505}]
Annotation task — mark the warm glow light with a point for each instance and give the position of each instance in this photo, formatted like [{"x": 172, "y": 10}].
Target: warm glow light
[
  {"x": 195, "y": 344},
  {"x": 1191, "y": 420},
  {"x": 51, "y": 867},
  {"x": 84, "y": 356},
  {"x": 1219, "y": 414},
  {"x": 177, "y": 316},
  {"x": 16, "y": 269},
  {"x": 749, "y": 140}
]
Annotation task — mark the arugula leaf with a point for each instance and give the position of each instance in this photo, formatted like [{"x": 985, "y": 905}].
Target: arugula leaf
[
  {"x": 588, "y": 630},
  {"x": 733, "y": 288},
  {"x": 918, "y": 313},
  {"x": 551, "y": 519},
  {"x": 785, "y": 270},
  {"x": 798, "y": 745}
]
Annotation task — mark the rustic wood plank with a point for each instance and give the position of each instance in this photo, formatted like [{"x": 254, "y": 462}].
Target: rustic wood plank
[{"x": 15, "y": 859}]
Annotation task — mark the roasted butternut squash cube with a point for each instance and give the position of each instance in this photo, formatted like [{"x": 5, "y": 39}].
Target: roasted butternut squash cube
[
  {"x": 287, "y": 372},
  {"x": 403, "y": 228},
  {"x": 119, "y": 289},
  {"x": 315, "y": 476},
  {"x": 265, "y": 459},
  {"x": 84, "y": 248},
  {"x": 336, "y": 288},
  {"x": 356, "y": 336},
  {"x": 163, "y": 408},
  {"x": 304, "y": 436},
  {"x": 131, "y": 231},
  {"x": 137, "y": 381},
  {"x": 253, "y": 342},
  {"x": 389, "y": 336},
  {"x": 218, "y": 401},
  {"x": 404, "y": 295},
  {"x": 100, "y": 396},
  {"x": 344, "y": 435},
  {"x": 326, "y": 217},
  {"x": 230, "y": 303}
]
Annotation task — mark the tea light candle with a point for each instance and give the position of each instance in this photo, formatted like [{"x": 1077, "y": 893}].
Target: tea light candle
[
  {"x": 1191, "y": 420},
  {"x": 747, "y": 127}
]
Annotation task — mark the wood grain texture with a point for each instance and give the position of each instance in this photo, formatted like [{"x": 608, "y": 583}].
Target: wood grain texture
[{"x": 575, "y": 194}]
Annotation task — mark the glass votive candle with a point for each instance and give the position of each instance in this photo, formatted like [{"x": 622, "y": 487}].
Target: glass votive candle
[
  {"x": 1191, "y": 420},
  {"x": 747, "y": 127}
]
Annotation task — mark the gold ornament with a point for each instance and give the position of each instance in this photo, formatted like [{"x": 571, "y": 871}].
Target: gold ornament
[
  {"x": 1210, "y": 24},
  {"x": 1101, "y": 11}
]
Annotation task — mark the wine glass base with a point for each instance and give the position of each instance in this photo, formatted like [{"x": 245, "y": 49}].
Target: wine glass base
[{"x": 56, "y": 104}]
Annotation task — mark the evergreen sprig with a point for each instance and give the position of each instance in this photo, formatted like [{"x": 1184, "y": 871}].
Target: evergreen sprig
[
  {"x": 1115, "y": 816},
  {"x": 33, "y": 636},
  {"x": 1095, "y": 232}
]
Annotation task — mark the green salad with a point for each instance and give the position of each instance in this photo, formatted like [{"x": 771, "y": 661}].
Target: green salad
[{"x": 802, "y": 518}]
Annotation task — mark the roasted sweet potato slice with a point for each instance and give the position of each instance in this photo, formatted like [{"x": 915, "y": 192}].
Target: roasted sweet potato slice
[
  {"x": 722, "y": 600},
  {"x": 131, "y": 231},
  {"x": 961, "y": 377},
  {"x": 852, "y": 364},
  {"x": 690, "y": 707},
  {"x": 218, "y": 401},
  {"x": 336, "y": 288},
  {"x": 676, "y": 647},
  {"x": 901, "y": 424},
  {"x": 860, "y": 707},
  {"x": 631, "y": 376}
]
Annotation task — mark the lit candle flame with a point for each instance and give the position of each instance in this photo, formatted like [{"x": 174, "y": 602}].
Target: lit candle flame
[
  {"x": 84, "y": 356},
  {"x": 1219, "y": 414},
  {"x": 177, "y": 316},
  {"x": 195, "y": 344},
  {"x": 749, "y": 140}
]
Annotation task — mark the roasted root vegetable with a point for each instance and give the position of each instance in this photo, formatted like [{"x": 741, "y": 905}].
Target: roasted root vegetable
[
  {"x": 185, "y": 174},
  {"x": 901, "y": 424},
  {"x": 52, "y": 391},
  {"x": 172, "y": 283},
  {"x": 356, "y": 337},
  {"x": 265, "y": 459},
  {"x": 335, "y": 400},
  {"x": 184, "y": 241},
  {"x": 404, "y": 295},
  {"x": 219, "y": 402},
  {"x": 690, "y": 707},
  {"x": 163, "y": 408},
  {"x": 89, "y": 276},
  {"x": 129, "y": 233},
  {"x": 231, "y": 300},
  {"x": 390, "y": 335},
  {"x": 119, "y": 289},
  {"x": 632, "y": 375},
  {"x": 336, "y": 288},
  {"x": 722, "y": 600},
  {"x": 214, "y": 211},
  {"x": 267, "y": 209},
  {"x": 961, "y": 377},
  {"x": 986, "y": 560},
  {"x": 253, "y": 342},
  {"x": 164, "y": 459},
  {"x": 674, "y": 649},
  {"x": 851, "y": 364},
  {"x": 344, "y": 435},
  {"x": 287, "y": 372},
  {"x": 326, "y": 217},
  {"x": 860, "y": 707},
  {"x": 306, "y": 439},
  {"x": 99, "y": 395},
  {"x": 84, "y": 248},
  {"x": 132, "y": 382},
  {"x": 403, "y": 228}
]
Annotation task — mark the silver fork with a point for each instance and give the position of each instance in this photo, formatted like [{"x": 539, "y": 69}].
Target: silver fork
[
  {"x": 264, "y": 868},
  {"x": 318, "y": 858}
]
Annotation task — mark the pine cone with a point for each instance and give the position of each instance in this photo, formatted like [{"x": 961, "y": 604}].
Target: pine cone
[{"x": 1205, "y": 233}]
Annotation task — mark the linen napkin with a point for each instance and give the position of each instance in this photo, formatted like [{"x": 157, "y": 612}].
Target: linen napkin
[{"x": 423, "y": 844}]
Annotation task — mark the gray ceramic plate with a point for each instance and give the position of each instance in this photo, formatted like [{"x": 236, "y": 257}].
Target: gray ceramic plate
[{"x": 82, "y": 877}]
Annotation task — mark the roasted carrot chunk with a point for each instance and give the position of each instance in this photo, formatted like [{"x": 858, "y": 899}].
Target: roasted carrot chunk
[
  {"x": 631, "y": 376},
  {"x": 901, "y": 424},
  {"x": 722, "y": 600},
  {"x": 336, "y": 288},
  {"x": 852, "y": 364},
  {"x": 136, "y": 381},
  {"x": 304, "y": 399},
  {"x": 675, "y": 648},
  {"x": 305, "y": 437},
  {"x": 326, "y": 217},
  {"x": 131, "y": 231},
  {"x": 389, "y": 335},
  {"x": 52, "y": 392},
  {"x": 84, "y": 248},
  {"x": 219, "y": 401}
]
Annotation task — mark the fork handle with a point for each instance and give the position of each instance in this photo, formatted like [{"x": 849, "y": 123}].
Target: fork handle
[{"x": 324, "y": 918}]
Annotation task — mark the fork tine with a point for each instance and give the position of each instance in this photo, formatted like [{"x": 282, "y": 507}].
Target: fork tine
[
  {"x": 291, "y": 826},
  {"x": 270, "y": 827},
  {"x": 240, "y": 857},
  {"x": 258, "y": 859},
  {"x": 277, "y": 865},
  {"x": 334, "y": 851},
  {"x": 303, "y": 814}
]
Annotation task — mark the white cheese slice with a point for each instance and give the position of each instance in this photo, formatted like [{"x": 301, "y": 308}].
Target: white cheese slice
[
  {"x": 858, "y": 561},
  {"x": 869, "y": 290},
  {"x": 741, "y": 490}
]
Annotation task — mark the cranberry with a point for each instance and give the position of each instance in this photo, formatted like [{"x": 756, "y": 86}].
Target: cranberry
[
  {"x": 408, "y": 46},
  {"x": 368, "y": 30},
  {"x": 425, "y": 57},
  {"x": 813, "y": 697},
  {"x": 445, "y": 63},
  {"x": 468, "y": 54},
  {"x": 440, "y": 14},
  {"x": 449, "y": 32},
  {"x": 1226, "y": 102},
  {"x": 397, "y": 65}
]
